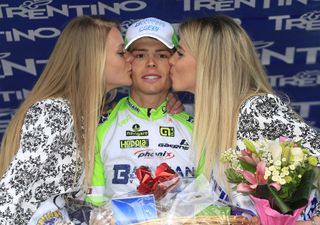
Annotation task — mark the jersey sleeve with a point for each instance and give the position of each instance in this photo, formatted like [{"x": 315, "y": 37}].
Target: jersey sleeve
[
  {"x": 95, "y": 194},
  {"x": 186, "y": 119},
  {"x": 45, "y": 164}
]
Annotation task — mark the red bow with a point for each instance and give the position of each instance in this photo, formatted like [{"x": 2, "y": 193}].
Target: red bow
[{"x": 166, "y": 179}]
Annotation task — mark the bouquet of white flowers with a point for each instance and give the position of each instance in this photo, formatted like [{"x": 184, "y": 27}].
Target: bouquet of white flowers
[{"x": 278, "y": 175}]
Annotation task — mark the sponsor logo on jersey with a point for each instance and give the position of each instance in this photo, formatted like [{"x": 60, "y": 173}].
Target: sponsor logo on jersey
[
  {"x": 125, "y": 173},
  {"x": 183, "y": 145},
  {"x": 166, "y": 131},
  {"x": 184, "y": 142},
  {"x": 135, "y": 131},
  {"x": 148, "y": 154},
  {"x": 135, "y": 143}
]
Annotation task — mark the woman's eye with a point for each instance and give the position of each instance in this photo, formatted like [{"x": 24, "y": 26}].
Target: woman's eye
[
  {"x": 122, "y": 53},
  {"x": 179, "y": 53}
]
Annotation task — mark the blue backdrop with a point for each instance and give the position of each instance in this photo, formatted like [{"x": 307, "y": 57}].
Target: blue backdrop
[{"x": 286, "y": 34}]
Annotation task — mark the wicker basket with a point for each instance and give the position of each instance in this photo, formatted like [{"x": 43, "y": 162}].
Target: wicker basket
[{"x": 223, "y": 220}]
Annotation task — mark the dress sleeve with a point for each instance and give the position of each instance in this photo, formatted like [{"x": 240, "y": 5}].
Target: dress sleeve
[
  {"x": 45, "y": 165},
  {"x": 269, "y": 117}
]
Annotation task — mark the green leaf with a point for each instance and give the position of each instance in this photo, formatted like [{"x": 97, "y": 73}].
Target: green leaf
[
  {"x": 286, "y": 153},
  {"x": 285, "y": 192},
  {"x": 233, "y": 176},
  {"x": 249, "y": 145},
  {"x": 215, "y": 211},
  {"x": 284, "y": 208},
  {"x": 301, "y": 196},
  {"x": 247, "y": 166}
]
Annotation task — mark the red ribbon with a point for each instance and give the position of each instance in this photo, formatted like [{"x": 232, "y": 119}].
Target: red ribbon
[{"x": 165, "y": 180}]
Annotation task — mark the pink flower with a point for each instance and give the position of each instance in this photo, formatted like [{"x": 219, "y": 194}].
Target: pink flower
[
  {"x": 255, "y": 179},
  {"x": 283, "y": 139},
  {"x": 243, "y": 187},
  {"x": 249, "y": 157}
]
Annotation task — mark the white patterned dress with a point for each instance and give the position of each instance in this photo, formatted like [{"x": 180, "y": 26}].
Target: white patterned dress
[{"x": 47, "y": 163}]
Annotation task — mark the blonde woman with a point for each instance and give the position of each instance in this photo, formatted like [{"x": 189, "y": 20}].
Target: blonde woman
[
  {"x": 217, "y": 62},
  {"x": 48, "y": 147}
]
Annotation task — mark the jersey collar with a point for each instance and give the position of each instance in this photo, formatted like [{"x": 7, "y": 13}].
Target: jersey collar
[{"x": 141, "y": 112}]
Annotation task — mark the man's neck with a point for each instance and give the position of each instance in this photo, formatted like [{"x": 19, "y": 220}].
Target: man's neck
[{"x": 148, "y": 101}]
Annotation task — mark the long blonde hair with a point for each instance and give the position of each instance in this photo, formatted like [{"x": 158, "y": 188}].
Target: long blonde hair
[
  {"x": 228, "y": 72},
  {"x": 74, "y": 71}
]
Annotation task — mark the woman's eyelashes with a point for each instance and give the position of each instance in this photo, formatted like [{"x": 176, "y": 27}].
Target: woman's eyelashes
[{"x": 179, "y": 52}]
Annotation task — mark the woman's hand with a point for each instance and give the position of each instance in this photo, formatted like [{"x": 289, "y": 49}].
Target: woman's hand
[
  {"x": 174, "y": 104},
  {"x": 314, "y": 221},
  {"x": 255, "y": 221}
]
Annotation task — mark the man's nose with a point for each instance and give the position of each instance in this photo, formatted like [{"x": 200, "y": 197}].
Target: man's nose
[
  {"x": 172, "y": 59},
  {"x": 151, "y": 62}
]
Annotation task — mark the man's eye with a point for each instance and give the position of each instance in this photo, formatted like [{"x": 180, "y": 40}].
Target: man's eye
[
  {"x": 139, "y": 56},
  {"x": 163, "y": 56}
]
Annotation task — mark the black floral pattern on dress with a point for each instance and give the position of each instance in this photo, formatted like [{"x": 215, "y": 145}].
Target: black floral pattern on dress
[
  {"x": 31, "y": 140},
  {"x": 267, "y": 116},
  {"x": 50, "y": 167},
  {"x": 276, "y": 128},
  {"x": 22, "y": 215},
  {"x": 57, "y": 120},
  {"x": 249, "y": 125},
  {"x": 63, "y": 144},
  {"x": 3, "y": 196},
  {"x": 68, "y": 174},
  {"x": 6, "y": 214},
  {"x": 45, "y": 190},
  {"x": 267, "y": 109},
  {"x": 23, "y": 178},
  {"x": 47, "y": 163},
  {"x": 32, "y": 116},
  {"x": 314, "y": 142}
]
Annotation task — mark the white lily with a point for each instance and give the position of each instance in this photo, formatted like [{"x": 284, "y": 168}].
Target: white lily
[{"x": 276, "y": 150}]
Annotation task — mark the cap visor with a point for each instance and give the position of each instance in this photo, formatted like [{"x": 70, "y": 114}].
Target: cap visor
[{"x": 149, "y": 35}]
